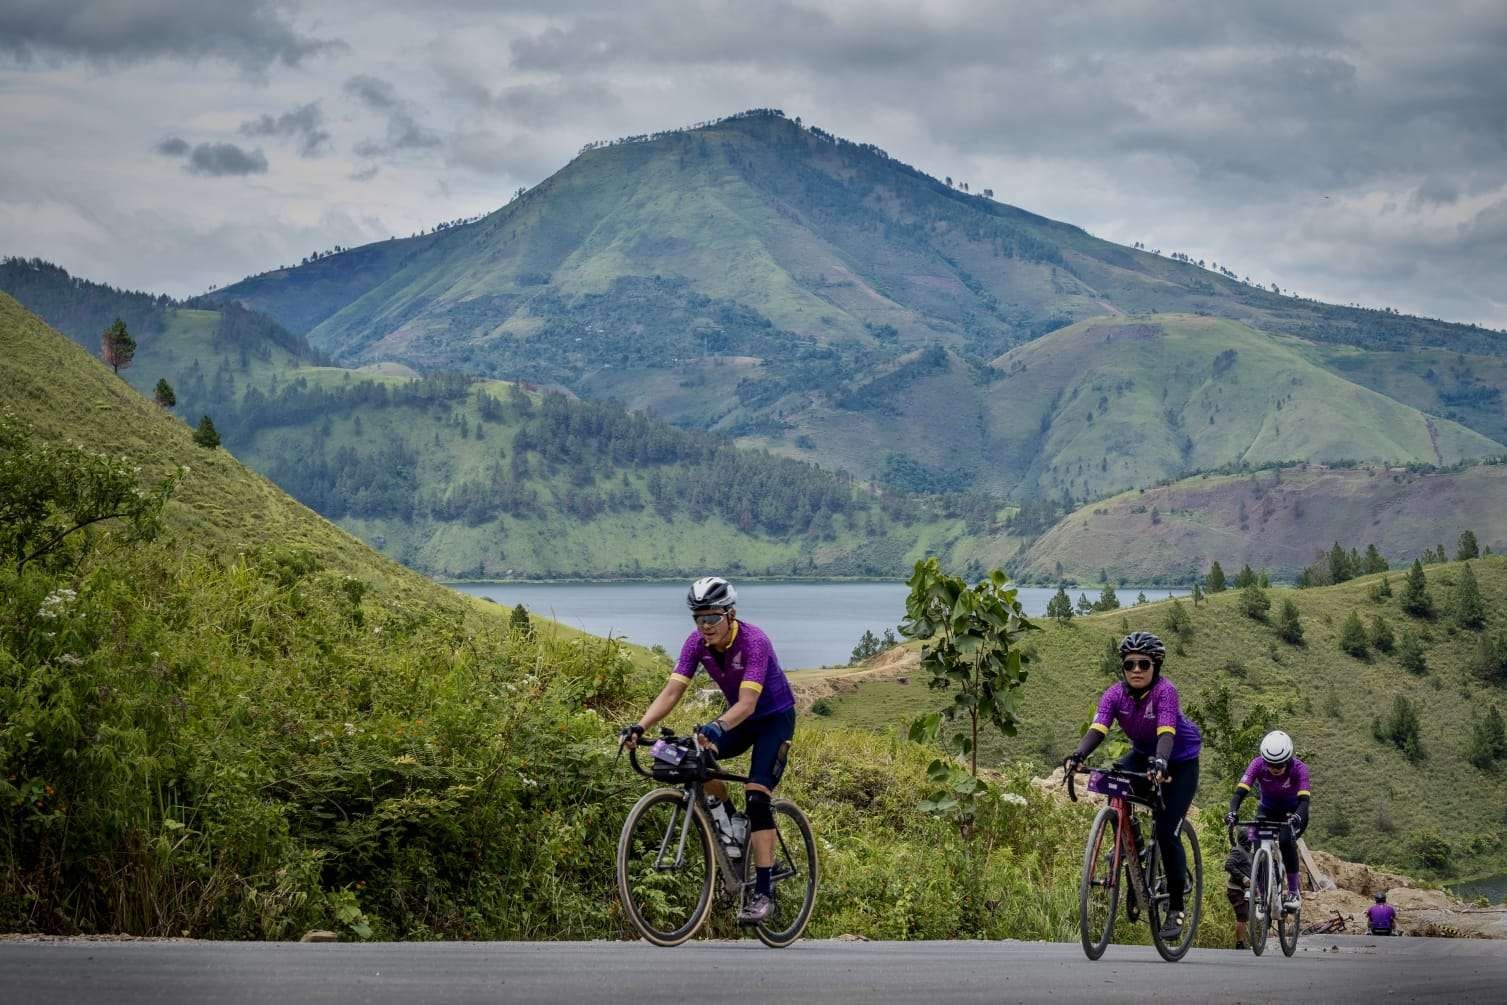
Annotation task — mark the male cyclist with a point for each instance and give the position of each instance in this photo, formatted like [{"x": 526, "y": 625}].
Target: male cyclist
[
  {"x": 761, "y": 714},
  {"x": 1381, "y": 917},
  {"x": 1163, "y": 741},
  {"x": 1283, "y": 783}
]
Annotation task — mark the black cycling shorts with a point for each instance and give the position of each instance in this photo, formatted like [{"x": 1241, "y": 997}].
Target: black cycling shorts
[{"x": 766, "y": 735}]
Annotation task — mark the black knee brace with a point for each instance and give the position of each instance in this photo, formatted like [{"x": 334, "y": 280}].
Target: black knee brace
[{"x": 760, "y": 817}]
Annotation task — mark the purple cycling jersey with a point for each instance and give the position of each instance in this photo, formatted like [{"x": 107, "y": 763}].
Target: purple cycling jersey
[
  {"x": 1277, "y": 792},
  {"x": 1381, "y": 916},
  {"x": 1155, "y": 713},
  {"x": 748, "y": 662}
]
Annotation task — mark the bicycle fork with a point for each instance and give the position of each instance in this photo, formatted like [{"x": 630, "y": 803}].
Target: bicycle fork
[{"x": 688, "y": 809}]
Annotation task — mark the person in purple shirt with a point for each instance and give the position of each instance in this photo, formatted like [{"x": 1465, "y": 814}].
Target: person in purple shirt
[
  {"x": 1381, "y": 917},
  {"x": 1282, "y": 783},
  {"x": 1163, "y": 741},
  {"x": 740, "y": 659}
]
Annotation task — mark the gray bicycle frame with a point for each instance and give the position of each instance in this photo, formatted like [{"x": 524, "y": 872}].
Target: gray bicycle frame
[
  {"x": 1278, "y": 879},
  {"x": 731, "y": 875}
]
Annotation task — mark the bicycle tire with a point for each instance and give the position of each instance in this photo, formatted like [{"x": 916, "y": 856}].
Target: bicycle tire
[
  {"x": 1193, "y": 889},
  {"x": 1098, "y": 861},
  {"x": 653, "y": 916},
  {"x": 1262, "y": 881},
  {"x": 1288, "y": 930},
  {"x": 802, "y": 862}
]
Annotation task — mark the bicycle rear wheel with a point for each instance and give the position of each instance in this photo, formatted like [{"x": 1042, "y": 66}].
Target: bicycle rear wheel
[
  {"x": 1261, "y": 899},
  {"x": 1287, "y": 932},
  {"x": 666, "y": 889},
  {"x": 1193, "y": 888},
  {"x": 1099, "y": 890},
  {"x": 794, "y": 879}
]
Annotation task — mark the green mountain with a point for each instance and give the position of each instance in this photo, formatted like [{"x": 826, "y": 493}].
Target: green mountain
[
  {"x": 1372, "y": 802},
  {"x": 818, "y": 297},
  {"x": 1277, "y": 520}
]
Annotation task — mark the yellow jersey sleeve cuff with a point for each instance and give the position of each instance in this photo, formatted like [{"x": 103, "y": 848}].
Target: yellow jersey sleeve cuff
[
  {"x": 1242, "y": 785},
  {"x": 680, "y": 677},
  {"x": 753, "y": 686},
  {"x": 1100, "y": 727},
  {"x": 1305, "y": 792},
  {"x": 1165, "y": 729}
]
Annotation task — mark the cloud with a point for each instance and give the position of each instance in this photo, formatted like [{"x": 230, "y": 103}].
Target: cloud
[
  {"x": 218, "y": 160},
  {"x": 373, "y": 92},
  {"x": 304, "y": 123},
  {"x": 365, "y": 174},
  {"x": 404, "y": 131},
  {"x": 252, "y": 34},
  {"x": 172, "y": 146}
]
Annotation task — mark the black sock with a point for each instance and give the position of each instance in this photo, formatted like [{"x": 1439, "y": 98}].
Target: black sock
[{"x": 762, "y": 880}]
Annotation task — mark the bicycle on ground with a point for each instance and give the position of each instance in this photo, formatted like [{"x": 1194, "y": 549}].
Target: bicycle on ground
[
  {"x": 1116, "y": 848},
  {"x": 671, "y": 853},
  {"x": 1268, "y": 882}
]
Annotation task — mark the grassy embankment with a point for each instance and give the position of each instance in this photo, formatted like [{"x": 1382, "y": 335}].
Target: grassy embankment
[
  {"x": 1371, "y": 803},
  {"x": 221, "y": 734}
]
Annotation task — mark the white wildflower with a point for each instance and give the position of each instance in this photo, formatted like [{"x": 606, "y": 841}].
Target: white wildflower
[
  {"x": 70, "y": 660},
  {"x": 56, "y": 603},
  {"x": 1014, "y": 798},
  {"x": 350, "y": 729}
]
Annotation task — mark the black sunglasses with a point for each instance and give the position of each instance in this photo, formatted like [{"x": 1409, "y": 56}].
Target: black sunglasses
[
  {"x": 708, "y": 620},
  {"x": 1138, "y": 664}
]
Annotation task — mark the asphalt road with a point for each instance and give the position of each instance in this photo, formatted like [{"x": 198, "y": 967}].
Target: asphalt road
[{"x": 1325, "y": 970}]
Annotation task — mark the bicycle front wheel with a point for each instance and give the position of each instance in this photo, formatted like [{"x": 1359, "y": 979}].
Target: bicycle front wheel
[
  {"x": 1193, "y": 889},
  {"x": 664, "y": 867},
  {"x": 1099, "y": 891},
  {"x": 1261, "y": 899},
  {"x": 794, "y": 878},
  {"x": 1287, "y": 932}
]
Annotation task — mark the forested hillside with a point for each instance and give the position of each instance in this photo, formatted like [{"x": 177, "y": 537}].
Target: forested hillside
[{"x": 1393, "y": 696}]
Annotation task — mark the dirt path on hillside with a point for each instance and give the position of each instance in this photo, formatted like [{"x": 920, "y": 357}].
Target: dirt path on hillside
[{"x": 811, "y": 685}]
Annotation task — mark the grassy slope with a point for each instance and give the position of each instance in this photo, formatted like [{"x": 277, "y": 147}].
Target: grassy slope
[
  {"x": 1291, "y": 514},
  {"x": 1326, "y": 699},
  {"x": 1128, "y": 402}
]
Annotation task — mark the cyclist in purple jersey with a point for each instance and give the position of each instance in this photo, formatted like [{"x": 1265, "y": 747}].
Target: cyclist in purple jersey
[
  {"x": 740, "y": 659},
  {"x": 1282, "y": 783},
  {"x": 1163, "y": 741},
  {"x": 1381, "y": 917}
]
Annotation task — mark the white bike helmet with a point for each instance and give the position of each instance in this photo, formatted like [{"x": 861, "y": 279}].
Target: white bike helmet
[
  {"x": 711, "y": 592},
  {"x": 1276, "y": 748}
]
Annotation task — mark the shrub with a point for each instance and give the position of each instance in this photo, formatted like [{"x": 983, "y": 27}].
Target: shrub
[
  {"x": 1411, "y": 655},
  {"x": 1254, "y": 603},
  {"x": 1402, "y": 729},
  {"x": 1381, "y": 635},
  {"x": 1489, "y": 663},
  {"x": 1353, "y": 637},
  {"x": 1216, "y": 579},
  {"x": 822, "y": 707},
  {"x": 1416, "y": 600},
  {"x": 206, "y": 435},
  {"x": 1466, "y": 604},
  {"x": 1430, "y": 851}
]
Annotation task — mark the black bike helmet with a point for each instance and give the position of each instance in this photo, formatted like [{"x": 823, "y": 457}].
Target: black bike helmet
[
  {"x": 1381, "y": 896},
  {"x": 1146, "y": 644},
  {"x": 711, "y": 592}
]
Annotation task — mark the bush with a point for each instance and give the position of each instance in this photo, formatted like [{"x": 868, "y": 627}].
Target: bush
[
  {"x": 1381, "y": 635},
  {"x": 822, "y": 707},
  {"x": 1353, "y": 637},
  {"x": 1254, "y": 603},
  {"x": 1411, "y": 655},
  {"x": 1289, "y": 627},
  {"x": 1430, "y": 851},
  {"x": 1466, "y": 605},
  {"x": 1402, "y": 729}
]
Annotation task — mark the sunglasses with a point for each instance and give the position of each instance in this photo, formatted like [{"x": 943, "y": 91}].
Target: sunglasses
[
  {"x": 1138, "y": 664},
  {"x": 707, "y": 620}
]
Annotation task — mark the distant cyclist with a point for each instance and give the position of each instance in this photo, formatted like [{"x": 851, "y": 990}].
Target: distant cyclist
[
  {"x": 1381, "y": 917},
  {"x": 1163, "y": 741},
  {"x": 1237, "y": 868},
  {"x": 1282, "y": 781},
  {"x": 761, "y": 714}
]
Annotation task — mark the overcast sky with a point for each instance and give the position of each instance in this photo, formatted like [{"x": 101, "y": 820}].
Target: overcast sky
[{"x": 1355, "y": 152}]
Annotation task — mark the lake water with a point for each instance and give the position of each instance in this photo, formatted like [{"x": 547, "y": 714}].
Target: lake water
[
  {"x": 1493, "y": 888},
  {"x": 812, "y": 624}
]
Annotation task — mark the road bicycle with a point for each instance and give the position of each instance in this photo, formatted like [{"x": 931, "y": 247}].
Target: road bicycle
[
  {"x": 1115, "y": 849},
  {"x": 670, "y": 855},
  {"x": 1268, "y": 883}
]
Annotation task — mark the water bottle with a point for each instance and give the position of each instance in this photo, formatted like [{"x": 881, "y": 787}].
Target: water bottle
[{"x": 723, "y": 824}]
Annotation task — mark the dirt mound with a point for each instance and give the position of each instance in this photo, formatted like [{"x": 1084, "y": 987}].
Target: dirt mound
[{"x": 812, "y": 685}]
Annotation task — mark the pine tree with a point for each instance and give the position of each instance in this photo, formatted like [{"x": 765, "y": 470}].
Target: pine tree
[
  {"x": 1216, "y": 578},
  {"x": 1107, "y": 600},
  {"x": 1410, "y": 654},
  {"x": 1466, "y": 605},
  {"x": 1488, "y": 740},
  {"x": 518, "y": 621},
  {"x": 164, "y": 395},
  {"x": 1490, "y": 661},
  {"x": 1374, "y": 562},
  {"x": 1109, "y": 659},
  {"x": 1140, "y": 598},
  {"x": 1060, "y": 607},
  {"x": 1178, "y": 624},
  {"x": 1353, "y": 637},
  {"x": 1415, "y": 599},
  {"x": 1254, "y": 603},
  {"x": 206, "y": 435},
  {"x": 1381, "y": 634},
  {"x": 1340, "y": 568},
  {"x": 116, "y": 346},
  {"x": 1084, "y": 605},
  {"x": 1245, "y": 577},
  {"x": 1289, "y": 628},
  {"x": 1198, "y": 594}
]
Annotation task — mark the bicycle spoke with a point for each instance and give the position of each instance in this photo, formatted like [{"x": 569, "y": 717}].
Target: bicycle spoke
[{"x": 666, "y": 898}]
